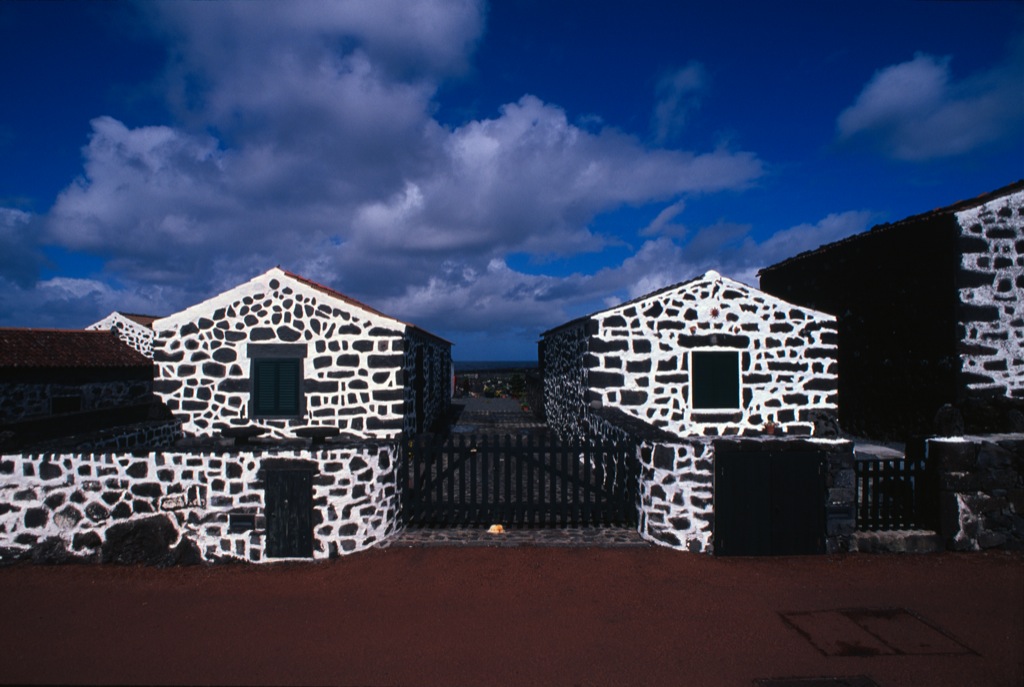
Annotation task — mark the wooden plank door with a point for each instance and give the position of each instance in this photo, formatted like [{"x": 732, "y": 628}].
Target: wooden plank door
[
  {"x": 769, "y": 503},
  {"x": 743, "y": 504},
  {"x": 289, "y": 512}
]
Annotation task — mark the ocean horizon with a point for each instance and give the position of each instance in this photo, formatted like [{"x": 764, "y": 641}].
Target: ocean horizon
[{"x": 483, "y": 365}]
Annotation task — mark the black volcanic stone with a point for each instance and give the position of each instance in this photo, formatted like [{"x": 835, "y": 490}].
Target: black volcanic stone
[
  {"x": 146, "y": 541},
  {"x": 86, "y": 540},
  {"x": 261, "y": 334},
  {"x": 138, "y": 470},
  {"x": 121, "y": 511},
  {"x": 50, "y": 551},
  {"x": 214, "y": 369},
  {"x": 96, "y": 512},
  {"x": 49, "y": 470},
  {"x": 663, "y": 458},
  {"x": 36, "y": 517},
  {"x": 286, "y": 333}
]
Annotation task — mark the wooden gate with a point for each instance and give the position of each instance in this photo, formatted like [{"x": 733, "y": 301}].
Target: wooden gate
[
  {"x": 289, "y": 512},
  {"x": 470, "y": 480},
  {"x": 769, "y": 503}
]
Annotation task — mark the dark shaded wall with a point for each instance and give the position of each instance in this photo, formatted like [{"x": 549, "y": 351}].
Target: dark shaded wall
[{"x": 894, "y": 292}]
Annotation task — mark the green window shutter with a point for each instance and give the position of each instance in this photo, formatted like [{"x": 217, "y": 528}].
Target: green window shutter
[
  {"x": 715, "y": 379},
  {"x": 276, "y": 387},
  {"x": 288, "y": 387}
]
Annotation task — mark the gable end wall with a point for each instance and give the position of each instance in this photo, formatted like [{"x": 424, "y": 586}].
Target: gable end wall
[
  {"x": 639, "y": 359},
  {"x": 354, "y": 366},
  {"x": 991, "y": 297}
]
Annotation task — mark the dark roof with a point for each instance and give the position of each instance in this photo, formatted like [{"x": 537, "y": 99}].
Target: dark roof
[
  {"x": 61, "y": 348},
  {"x": 895, "y": 226},
  {"x": 352, "y": 301},
  {"x": 144, "y": 320}
]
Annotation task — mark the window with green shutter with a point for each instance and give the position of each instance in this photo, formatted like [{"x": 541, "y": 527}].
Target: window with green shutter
[
  {"x": 715, "y": 380},
  {"x": 276, "y": 387}
]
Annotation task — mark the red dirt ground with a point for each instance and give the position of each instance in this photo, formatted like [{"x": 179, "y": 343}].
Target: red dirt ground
[{"x": 502, "y": 616}]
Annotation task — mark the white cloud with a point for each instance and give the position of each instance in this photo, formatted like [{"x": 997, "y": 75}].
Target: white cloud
[
  {"x": 306, "y": 138},
  {"x": 663, "y": 224},
  {"x": 917, "y": 111},
  {"x": 72, "y": 303}
]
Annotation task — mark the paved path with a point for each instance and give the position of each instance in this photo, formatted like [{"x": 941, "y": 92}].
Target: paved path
[{"x": 420, "y": 617}]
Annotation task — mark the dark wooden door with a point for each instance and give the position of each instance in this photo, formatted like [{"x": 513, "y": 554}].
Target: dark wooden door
[
  {"x": 798, "y": 503},
  {"x": 769, "y": 503},
  {"x": 743, "y": 504},
  {"x": 289, "y": 511}
]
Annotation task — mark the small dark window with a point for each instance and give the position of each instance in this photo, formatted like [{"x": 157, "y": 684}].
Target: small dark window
[
  {"x": 715, "y": 379},
  {"x": 241, "y": 522},
  {"x": 276, "y": 387}
]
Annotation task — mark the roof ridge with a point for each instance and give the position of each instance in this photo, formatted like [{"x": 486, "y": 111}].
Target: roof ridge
[{"x": 950, "y": 209}]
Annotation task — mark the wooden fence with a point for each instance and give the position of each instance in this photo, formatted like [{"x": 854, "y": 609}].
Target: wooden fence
[
  {"x": 469, "y": 480},
  {"x": 895, "y": 494}
]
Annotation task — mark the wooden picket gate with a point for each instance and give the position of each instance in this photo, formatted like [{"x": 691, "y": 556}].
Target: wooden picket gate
[{"x": 521, "y": 481}]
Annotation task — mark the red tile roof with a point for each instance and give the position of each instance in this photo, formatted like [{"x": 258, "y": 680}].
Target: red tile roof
[{"x": 61, "y": 348}]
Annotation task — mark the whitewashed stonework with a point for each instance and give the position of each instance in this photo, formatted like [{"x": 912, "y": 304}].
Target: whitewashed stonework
[
  {"x": 638, "y": 357},
  {"x": 992, "y": 293},
  {"x": 677, "y": 495},
  {"x": 71, "y": 501},
  {"x": 133, "y": 333},
  {"x": 367, "y": 374}
]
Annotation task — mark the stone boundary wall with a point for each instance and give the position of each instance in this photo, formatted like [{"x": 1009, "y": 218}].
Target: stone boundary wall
[
  {"x": 435, "y": 387},
  {"x": 981, "y": 491},
  {"x": 991, "y": 306},
  {"x": 145, "y": 436},
  {"x": 676, "y": 481},
  {"x": 565, "y": 384},
  {"x": 54, "y": 507},
  {"x": 29, "y": 400},
  {"x": 677, "y": 487}
]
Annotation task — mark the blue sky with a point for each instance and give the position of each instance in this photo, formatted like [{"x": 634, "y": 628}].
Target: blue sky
[{"x": 487, "y": 171}]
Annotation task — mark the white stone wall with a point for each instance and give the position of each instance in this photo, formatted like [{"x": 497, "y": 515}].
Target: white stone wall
[
  {"x": 677, "y": 495},
  {"x": 637, "y": 358},
  {"x": 565, "y": 387},
  {"x": 992, "y": 295},
  {"x": 130, "y": 332},
  {"x": 355, "y": 362},
  {"x": 75, "y": 498}
]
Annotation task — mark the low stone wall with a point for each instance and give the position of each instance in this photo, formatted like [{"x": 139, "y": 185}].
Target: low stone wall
[
  {"x": 676, "y": 481},
  {"x": 677, "y": 487},
  {"x": 203, "y": 506},
  {"x": 981, "y": 491}
]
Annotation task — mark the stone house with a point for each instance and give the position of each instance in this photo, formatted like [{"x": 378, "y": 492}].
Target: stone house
[
  {"x": 134, "y": 330},
  {"x": 56, "y": 381},
  {"x": 930, "y": 313},
  {"x": 282, "y": 353},
  {"x": 707, "y": 357}
]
